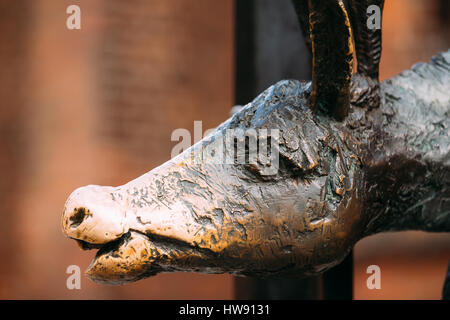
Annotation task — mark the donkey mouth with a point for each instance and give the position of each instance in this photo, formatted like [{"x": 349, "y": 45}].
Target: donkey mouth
[
  {"x": 130, "y": 257},
  {"x": 84, "y": 245},
  {"x": 136, "y": 255}
]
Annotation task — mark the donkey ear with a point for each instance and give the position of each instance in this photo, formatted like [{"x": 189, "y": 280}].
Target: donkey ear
[
  {"x": 332, "y": 50},
  {"x": 330, "y": 38},
  {"x": 365, "y": 90},
  {"x": 367, "y": 40}
]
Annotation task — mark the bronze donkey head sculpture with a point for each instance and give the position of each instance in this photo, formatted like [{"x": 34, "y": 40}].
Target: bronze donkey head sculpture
[{"x": 354, "y": 157}]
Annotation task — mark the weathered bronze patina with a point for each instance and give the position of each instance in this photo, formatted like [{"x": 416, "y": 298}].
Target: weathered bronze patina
[{"x": 355, "y": 158}]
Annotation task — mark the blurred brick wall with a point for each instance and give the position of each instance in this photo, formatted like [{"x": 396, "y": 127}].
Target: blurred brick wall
[
  {"x": 161, "y": 65},
  {"x": 101, "y": 103},
  {"x": 413, "y": 31},
  {"x": 14, "y": 24}
]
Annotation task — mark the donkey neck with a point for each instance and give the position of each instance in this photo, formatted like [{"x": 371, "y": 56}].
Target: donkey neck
[{"x": 408, "y": 151}]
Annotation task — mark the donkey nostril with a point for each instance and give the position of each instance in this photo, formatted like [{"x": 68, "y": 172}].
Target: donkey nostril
[{"x": 78, "y": 217}]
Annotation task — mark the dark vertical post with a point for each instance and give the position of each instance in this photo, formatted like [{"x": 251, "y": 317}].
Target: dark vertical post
[
  {"x": 338, "y": 281},
  {"x": 446, "y": 288},
  {"x": 244, "y": 52},
  {"x": 269, "y": 47}
]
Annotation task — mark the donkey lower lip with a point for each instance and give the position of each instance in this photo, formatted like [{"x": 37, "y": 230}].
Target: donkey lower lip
[
  {"x": 123, "y": 260},
  {"x": 136, "y": 255}
]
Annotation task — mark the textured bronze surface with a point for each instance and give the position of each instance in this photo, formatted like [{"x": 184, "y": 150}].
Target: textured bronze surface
[
  {"x": 367, "y": 41},
  {"x": 378, "y": 169},
  {"x": 332, "y": 51},
  {"x": 368, "y": 53}
]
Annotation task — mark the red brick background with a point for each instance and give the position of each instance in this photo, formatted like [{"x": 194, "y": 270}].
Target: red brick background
[{"x": 97, "y": 106}]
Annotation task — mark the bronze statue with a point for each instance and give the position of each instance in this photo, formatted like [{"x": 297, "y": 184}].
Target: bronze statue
[{"x": 355, "y": 157}]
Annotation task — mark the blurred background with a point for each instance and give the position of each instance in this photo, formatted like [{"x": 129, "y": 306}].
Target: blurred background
[{"x": 98, "y": 106}]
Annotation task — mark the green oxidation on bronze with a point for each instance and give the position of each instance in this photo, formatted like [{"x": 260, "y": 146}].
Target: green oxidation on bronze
[{"x": 385, "y": 166}]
